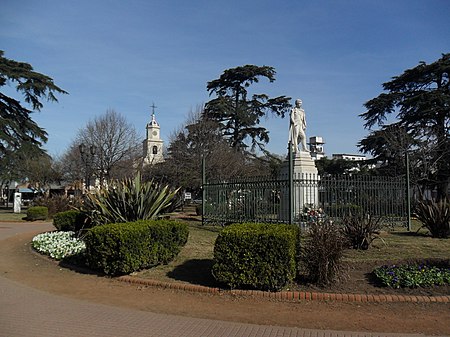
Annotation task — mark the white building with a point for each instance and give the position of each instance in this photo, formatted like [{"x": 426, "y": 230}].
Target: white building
[
  {"x": 316, "y": 149},
  {"x": 153, "y": 144},
  {"x": 346, "y": 156}
]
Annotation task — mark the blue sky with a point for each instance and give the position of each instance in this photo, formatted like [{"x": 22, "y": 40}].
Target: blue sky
[{"x": 125, "y": 55}]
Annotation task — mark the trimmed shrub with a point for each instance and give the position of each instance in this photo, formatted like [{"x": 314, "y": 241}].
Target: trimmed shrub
[
  {"x": 435, "y": 216},
  {"x": 37, "y": 213},
  {"x": 69, "y": 220},
  {"x": 322, "y": 252},
  {"x": 122, "y": 248},
  {"x": 259, "y": 256}
]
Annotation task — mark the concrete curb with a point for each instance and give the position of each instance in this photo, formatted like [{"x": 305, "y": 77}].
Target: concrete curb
[{"x": 287, "y": 295}]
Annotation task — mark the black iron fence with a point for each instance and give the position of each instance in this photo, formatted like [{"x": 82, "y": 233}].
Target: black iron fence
[{"x": 295, "y": 198}]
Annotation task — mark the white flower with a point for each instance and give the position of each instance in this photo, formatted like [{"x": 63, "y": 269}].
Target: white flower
[{"x": 58, "y": 245}]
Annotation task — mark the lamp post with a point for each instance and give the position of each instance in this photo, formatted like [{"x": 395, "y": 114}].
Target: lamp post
[{"x": 87, "y": 157}]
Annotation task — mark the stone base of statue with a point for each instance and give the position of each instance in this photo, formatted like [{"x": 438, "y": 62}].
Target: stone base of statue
[{"x": 305, "y": 191}]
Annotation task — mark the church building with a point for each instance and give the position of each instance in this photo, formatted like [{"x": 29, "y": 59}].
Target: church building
[{"x": 153, "y": 144}]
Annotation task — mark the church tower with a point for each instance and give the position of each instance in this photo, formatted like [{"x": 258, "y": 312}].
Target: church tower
[{"x": 153, "y": 144}]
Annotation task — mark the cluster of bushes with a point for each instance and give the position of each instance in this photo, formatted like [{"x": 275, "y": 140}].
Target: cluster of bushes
[
  {"x": 58, "y": 203},
  {"x": 116, "y": 227},
  {"x": 271, "y": 256}
]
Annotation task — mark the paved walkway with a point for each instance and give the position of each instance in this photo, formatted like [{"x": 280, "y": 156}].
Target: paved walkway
[{"x": 26, "y": 311}]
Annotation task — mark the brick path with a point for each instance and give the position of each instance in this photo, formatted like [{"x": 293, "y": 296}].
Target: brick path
[{"x": 25, "y": 312}]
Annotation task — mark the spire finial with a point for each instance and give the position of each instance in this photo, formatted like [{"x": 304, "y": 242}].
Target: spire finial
[{"x": 153, "y": 106}]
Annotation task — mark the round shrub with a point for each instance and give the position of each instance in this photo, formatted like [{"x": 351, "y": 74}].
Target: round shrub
[
  {"x": 69, "y": 220},
  {"x": 37, "y": 213}
]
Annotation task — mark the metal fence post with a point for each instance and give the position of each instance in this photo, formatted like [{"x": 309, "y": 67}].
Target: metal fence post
[
  {"x": 291, "y": 184},
  {"x": 408, "y": 192},
  {"x": 203, "y": 189}
]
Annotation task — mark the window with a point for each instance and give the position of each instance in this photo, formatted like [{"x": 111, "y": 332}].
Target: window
[{"x": 155, "y": 149}]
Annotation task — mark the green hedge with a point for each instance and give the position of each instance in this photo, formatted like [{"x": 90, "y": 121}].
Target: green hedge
[
  {"x": 122, "y": 248},
  {"x": 37, "y": 213},
  {"x": 259, "y": 256},
  {"x": 69, "y": 220}
]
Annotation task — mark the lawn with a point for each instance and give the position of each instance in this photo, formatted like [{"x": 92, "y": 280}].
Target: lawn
[
  {"x": 193, "y": 264},
  {"x": 7, "y": 214}
]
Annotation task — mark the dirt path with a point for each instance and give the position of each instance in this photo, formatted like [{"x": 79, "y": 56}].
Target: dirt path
[{"x": 18, "y": 262}]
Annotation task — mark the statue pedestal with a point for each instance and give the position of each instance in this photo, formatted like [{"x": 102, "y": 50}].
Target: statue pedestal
[{"x": 305, "y": 191}]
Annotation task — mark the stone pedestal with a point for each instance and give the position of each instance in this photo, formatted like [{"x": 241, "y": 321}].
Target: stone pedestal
[
  {"x": 305, "y": 191},
  {"x": 17, "y": 202}
]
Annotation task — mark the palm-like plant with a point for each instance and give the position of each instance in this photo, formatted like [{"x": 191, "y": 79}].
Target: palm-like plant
[
  {"x": 128, "y": 200},
  {"x": 435, "y": 216}
]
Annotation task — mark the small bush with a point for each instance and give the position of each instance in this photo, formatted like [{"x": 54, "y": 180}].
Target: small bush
[
  {"x": 361, "y": 230},
  {"x": 37, "y": 213},
  {"x": 259, "y": 256},
  {"x": 435, "y": 216},
  {"x": 413, "y": 275},
  {"x": 69, "y": 220},
  {"x": 322, "y": 252},
  {"x": 123, "y": 248}
]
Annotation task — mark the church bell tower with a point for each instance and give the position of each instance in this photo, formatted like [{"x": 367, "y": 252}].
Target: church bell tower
[{"x": 153, "y": 144}]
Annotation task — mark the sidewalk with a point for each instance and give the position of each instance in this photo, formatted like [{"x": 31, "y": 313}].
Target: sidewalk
[{"x": 25, "y": 311}]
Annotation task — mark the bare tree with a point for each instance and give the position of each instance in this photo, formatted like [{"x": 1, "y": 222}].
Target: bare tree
[{"x": 112, "y": 146}]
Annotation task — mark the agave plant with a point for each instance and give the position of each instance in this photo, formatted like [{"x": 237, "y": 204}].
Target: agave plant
[
  {"x": 361, "y": 230},
  {"x": 435, "y": 216},
  {"x": 128, "y": 200}
]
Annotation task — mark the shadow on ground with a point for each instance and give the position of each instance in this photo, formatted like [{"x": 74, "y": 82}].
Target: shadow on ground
[{"x": 202, "y": 275}]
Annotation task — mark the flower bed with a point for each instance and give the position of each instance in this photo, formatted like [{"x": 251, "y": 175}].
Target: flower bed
[
  {"x": 412, "y": 275},
  {"x": 58, "y": 245}
]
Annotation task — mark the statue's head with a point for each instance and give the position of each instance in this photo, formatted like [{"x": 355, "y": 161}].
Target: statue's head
[{"x": 298, "y": 102}]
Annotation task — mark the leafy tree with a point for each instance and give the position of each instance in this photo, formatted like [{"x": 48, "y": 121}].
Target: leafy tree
[
  {"x": 327, "y": 166},
  {"x": 239, "y": 115},
  {"x": 420, "y": 98},
  {"x": 16, "y": 125},
  {"x": 202, "y": 138}
]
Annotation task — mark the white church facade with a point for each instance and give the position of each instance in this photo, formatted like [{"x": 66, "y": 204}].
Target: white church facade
[{"x": 153, "y": 144}]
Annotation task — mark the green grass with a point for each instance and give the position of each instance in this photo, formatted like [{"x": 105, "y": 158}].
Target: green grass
[
  {"x": 399, "y": 244},
  {"x": 7, "y": 214},
  {"x": 193, "y": 264}
]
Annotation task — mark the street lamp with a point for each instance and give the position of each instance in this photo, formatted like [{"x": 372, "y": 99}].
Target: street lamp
[{"x": 87, "y": 157}]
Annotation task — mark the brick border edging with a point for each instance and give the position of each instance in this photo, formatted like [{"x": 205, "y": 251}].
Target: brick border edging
[{"x": 287, "y": 295}]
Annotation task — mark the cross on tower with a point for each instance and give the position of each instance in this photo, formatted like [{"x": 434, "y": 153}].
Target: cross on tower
[{"x": 153, "y": 106}]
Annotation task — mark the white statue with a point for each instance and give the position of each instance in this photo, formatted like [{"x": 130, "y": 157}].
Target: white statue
[{"x": 297, "y": 127}]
